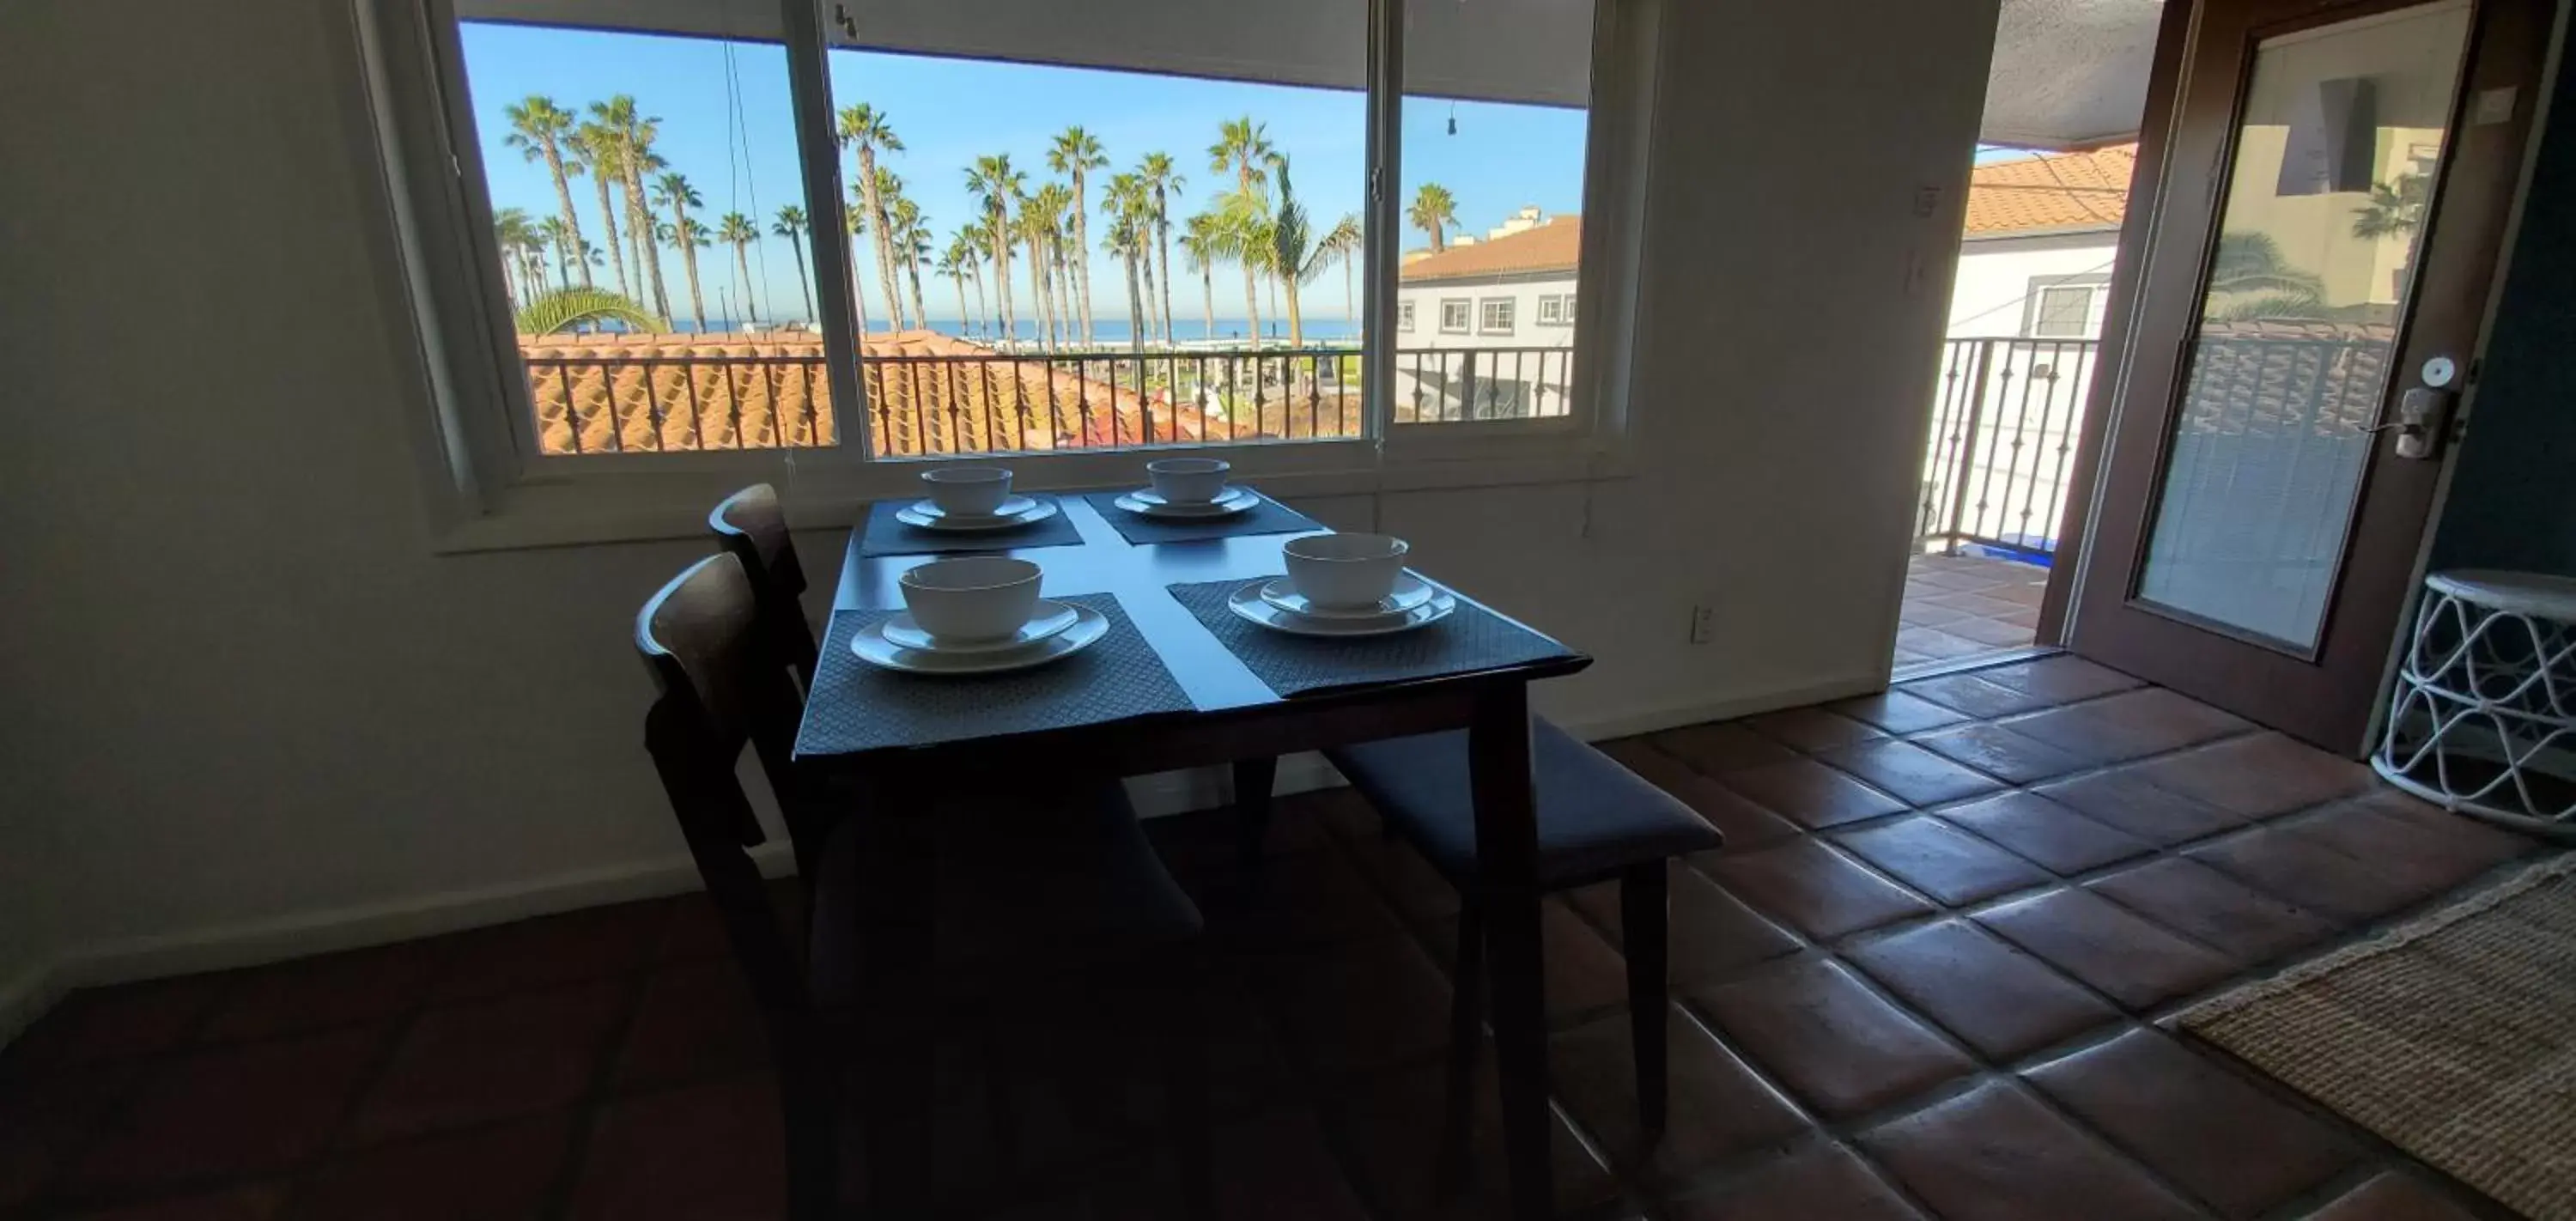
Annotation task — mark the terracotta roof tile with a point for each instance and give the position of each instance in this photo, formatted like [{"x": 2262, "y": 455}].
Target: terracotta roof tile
[
  {"x": 2056, "y": 192},
  {"x": 1548, "y": 247}
]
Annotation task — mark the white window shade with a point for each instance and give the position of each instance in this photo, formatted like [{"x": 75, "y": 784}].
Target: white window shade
[{"x": 1534, "y": 51}]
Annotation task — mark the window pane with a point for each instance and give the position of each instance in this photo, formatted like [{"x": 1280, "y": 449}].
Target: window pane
[
  {"x": 1144, "y": 240},
  {"x": 2064, "y": 313},
  {"x": 647, "y": 210},
  {"x": 1494, "y": 125}
]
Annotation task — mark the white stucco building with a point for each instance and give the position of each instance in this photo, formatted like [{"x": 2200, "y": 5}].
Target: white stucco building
[
  {"x": 2035, "y": 254},
  {"x": 1486, "y": 327}
]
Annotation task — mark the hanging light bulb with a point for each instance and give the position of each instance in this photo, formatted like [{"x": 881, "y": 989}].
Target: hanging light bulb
[{"x": 1453, "y": 118}]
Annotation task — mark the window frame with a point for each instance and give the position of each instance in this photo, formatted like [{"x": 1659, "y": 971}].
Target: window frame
[
  {"x": 1467, "y": 323},
  {"x": 1510, "y": 305},
  {"x": 491, "y": 485},
  {"x": 1404, "y": 313},
  {"x": 2094, "y": 286}
]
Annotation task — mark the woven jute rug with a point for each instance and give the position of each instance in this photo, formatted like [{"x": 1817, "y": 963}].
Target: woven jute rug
[{"x": 2454, "y": 1037}]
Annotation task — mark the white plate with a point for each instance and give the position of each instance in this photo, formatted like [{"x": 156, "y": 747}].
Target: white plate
[
  {"x": 1048, "y": 619},
  {"x": 1227, "y": 504},
  {"x": 1410, "y": 591},
  {"x": 1016, "y": 511},
  {"x": 872, "y": 647},
  {"x": 1247, "y": 603}
]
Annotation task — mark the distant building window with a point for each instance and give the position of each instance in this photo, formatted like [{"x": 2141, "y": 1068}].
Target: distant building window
[
  {"x": 2063, "y": 308},
  {"x": 1454, "y": 314},
  {"x": 1494, "y": 316},
  {"x": 1404, "y": 316},
  {"x": 1556, "y": 310}
]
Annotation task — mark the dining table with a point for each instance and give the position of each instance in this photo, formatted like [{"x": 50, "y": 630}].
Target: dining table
[{"x": 890, "y": 747}]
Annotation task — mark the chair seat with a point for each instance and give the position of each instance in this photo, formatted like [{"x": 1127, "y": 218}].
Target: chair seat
[
  {"x": 1595, "y": 817},
  {"x": 1023, "y": 886}
]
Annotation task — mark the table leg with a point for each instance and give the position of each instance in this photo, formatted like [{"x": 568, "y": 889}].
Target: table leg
[
  {"x": 895, "y": 1022},
  {"x": 1498, "y": 748},
  {"x": 1253, "y": 780}
]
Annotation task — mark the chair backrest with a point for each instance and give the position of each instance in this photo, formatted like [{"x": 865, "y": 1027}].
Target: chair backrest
[
  {"x": 721, "y": 686},
  {"x": 753, "y": 529}
]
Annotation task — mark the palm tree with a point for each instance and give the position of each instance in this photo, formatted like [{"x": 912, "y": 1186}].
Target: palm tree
[
  {"x": 1126, "y": 239},
  {"x": 513, "y": 232},
  {"x": 1433, "y": 211},
  {"x": 1201, "y": 247},
  {"x": 673, "y": 190},
  {"x": 982, "y": 244},
  {"x": 1243, "y": 235},
  {"x": 560, "y": 240},
  {"x": 1076, "y": 153},
  {"x": 740, "y": 231},
  {"x": 997, "y": 186},
  {"x": 2395, "y": 209},
  {"x": 1243, "y": 148},
  {"x": 1039, "y": 215},
  {"x": 1297, "y": 255},
  {"x": 540, "y": 129},
  {"x": 597, "y": 146},
  {"x": 856, "y": 225},
  {"x": 864, "y": 130},
  {"x": 635, "y": 133},
  {"x": 954, "y": 263},
  {"x": 1346, "y": 244},
  {"x": 2260, "y": 282},
  {"x": 1163, "y": 179},
  {"x": 791, "y": 225},
  {"x": 911, "y": 241}
]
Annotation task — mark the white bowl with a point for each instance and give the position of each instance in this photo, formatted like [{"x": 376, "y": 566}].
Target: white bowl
[
  {"x": 982, "y": 597},
  {"x": 1345, "y": 571},
  {"x": 1188, "y": 481},
  {"x": 973, "y": 491}
]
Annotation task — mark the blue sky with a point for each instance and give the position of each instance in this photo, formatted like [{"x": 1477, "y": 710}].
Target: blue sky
[{"x": 948, "y": 112}]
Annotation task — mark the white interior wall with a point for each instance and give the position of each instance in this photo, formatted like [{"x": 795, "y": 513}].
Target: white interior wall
[{"x": 256, "y": 715}]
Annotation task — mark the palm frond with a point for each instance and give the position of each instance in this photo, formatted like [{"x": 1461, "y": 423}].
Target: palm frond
[{"x": 564, "y": 309}]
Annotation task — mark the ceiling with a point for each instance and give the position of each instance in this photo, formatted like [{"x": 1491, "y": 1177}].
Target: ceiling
[{"x": 2069, "y": 73}]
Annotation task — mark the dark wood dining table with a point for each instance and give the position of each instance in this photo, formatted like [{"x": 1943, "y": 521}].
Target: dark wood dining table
[{"x": 1234, "y": 717}]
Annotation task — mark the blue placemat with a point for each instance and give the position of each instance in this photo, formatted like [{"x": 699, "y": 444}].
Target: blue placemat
[
  {"x": 885, "y": 535},
  {"x": 857, "y": 706},
  {"x": 1268, "y": 517},
  {"x": 1469, "y": 639}
]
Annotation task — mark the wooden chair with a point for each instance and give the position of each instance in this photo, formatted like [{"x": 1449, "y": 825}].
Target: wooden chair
[
  {"x": 1596, "y": 821},
  {"x": 1066, "y": 882}
]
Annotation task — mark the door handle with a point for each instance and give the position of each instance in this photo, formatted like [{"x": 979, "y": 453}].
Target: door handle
[{"x": 2423, "y": 416}]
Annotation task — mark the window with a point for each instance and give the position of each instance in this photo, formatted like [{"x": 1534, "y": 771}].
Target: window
[
  {"x": 1556, "y": 310},
  {"x": 2064, "y": 307},
  {"x": 699, "y": 232}
]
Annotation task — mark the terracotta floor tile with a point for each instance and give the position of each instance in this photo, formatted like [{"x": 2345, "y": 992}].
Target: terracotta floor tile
[
  {"x": 1973, "y": 695},
  {"x": 311, "y": 993},
  {"x": 2010, "y": 630},
  {"x": 2126, "y": 802},
  {"x": 1813, "y": 729},
  {"x": 2046, "y": 833},
  {"x": 138, "y": 1019},
  {"x": 1938, "y": 643},
  {"x": 2001, "y": 1002},
  {"x": 2258, "y": 776},
  {"x": 491, "y": 1174},
  {"x": 1744, "y": 824},
  {"x": 2121, "y": 954},
  {"x": 1897, "y": 712},
  {"x": 1940, "y": 860},
  {"x": 1716, "y": 749},
  {"x": 1811, "y": 794},
  {"x": 2234, "y": 1146},
  {"x": 1392, "y": 1131},
  {"x": 1718, "y": 1109},
  {"x": 258, "y": 1202},
  {"x": 251, "y": 1108},
  {"x": 2435, "y": 850},
  {"x": 698, "y": 1020},
  {"x": 1710, "y": 933},
  {"x": 1824, "y": 1182},
  {"x": 1914, "y": 775},
  {"x": 488, "y": 1060},
  {"x": 47, "y": 1115},
  {"x": 1289, "y": 901},
  {"x": 698, "y": 1153},
  {"x": 2391, "y": 1197},
  {"x": 1402, "y": 877},
  {"x": 1814, "y": 890},
  {"x": 1813, "y": 1027},
  {"x": 1996, "y": 1154},
  {"x": 1584, "y": 975},
  {"x": 2309, "y": 873},
  {"x": 2062, "y": 679},
  {"x": 1998, "y": 751},
  {"x": 553, "y": 950},
  {"x": 1360, "y": 1005},
  {"x": 2130, "y": 725},
  {"x": 2207, "y": 906}
]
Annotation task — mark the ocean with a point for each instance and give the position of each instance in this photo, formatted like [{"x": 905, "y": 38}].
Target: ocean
[{"x": 1106, "y": 332}]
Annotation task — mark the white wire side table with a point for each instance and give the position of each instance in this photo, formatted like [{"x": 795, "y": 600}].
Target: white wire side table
[{"x": 2483, "y": 720}]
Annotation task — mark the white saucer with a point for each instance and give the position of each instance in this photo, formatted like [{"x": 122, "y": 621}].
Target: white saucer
[
  {"x": 1247, "y": 603},
  {"x": 1048, "y": 619},
  {"x": 1016, "y": 511},
  {"x": 872, "y": 647},
  {"x": 1410, "y": 591},
  {"x": 1228, "y": 503}
]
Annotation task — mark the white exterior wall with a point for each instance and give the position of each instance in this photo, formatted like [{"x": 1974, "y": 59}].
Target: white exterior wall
[
  {"x": 1994, "y": 278},
  {"x": 1506, "y": 380}
]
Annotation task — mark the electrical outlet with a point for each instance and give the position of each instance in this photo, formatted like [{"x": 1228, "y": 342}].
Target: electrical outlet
[{"x": 1703, "y": 624}]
